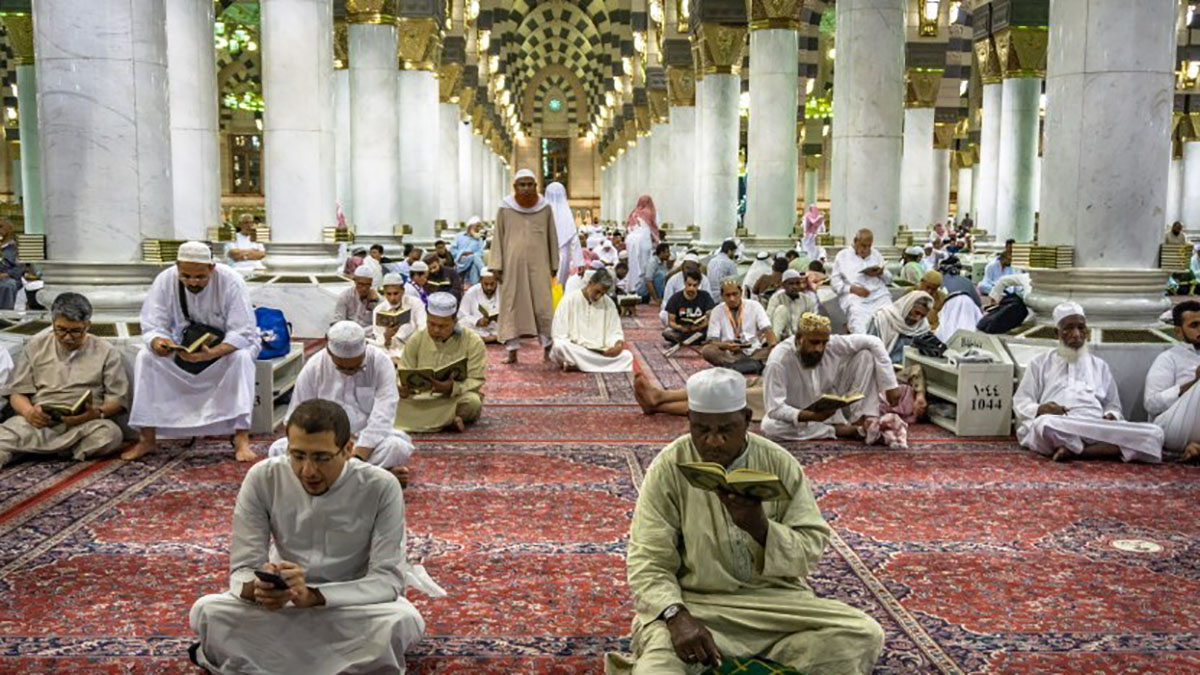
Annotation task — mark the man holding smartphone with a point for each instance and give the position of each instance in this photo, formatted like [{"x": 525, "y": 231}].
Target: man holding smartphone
[{"x": 342, "y": 608}]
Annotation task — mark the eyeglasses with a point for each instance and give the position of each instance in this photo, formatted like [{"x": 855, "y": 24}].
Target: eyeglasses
[{"x": 70, "y": 332}]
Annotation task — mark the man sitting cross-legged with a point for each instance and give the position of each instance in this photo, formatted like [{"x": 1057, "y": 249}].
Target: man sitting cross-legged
[
  {"x": 739, "y": 333},
  {"x": 451, "y": 404},
  {"x": 482, "y": 295},
  {"x": 1172, "y": 397},
  {"x": 1067, "y": 404},
  {"x": 332, "y": 531},
  {"x": 361, "y": 379},
  {"x": 587, "y": 332},
  {"x": 58, "y": 367},
  {"x": 716, "y": 575},
  {"x": 816, "y": 363},
  {"x": 797, "y": 296},
  {"x": 358, "y": 302},
  {"x": 688, "y": 310},
  {"x": 395, "y": 299}
]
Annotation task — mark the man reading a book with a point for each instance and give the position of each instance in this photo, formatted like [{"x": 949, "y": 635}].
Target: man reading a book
[
  {"x": 717, "y": 575},
  {"x": 587, "y": 330},
  {"x": 675, "y": 280},
  {"x": 688, "y": 311},
  {"x": 801, "y": 372},
  {"x": 787, "y": 306},
  {"x": 860, "y": 281},
  {"x": 66, "y": 388},
  {"x": 387, "y": 332},
  {"x": 479, "y": 310},
  {"x": 360, "y": 378},
  {"x": 358, "y": 302},
  {"x": 447, "y": 402},
  {"x": 208, "y": 391},
  {"x": 739, "y": 333}
]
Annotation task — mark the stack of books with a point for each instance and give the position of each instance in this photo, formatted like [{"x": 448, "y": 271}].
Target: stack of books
[
  {"x": 31, "y": 247},
  {"x": 1043, "y": 257},
  {"x": 1174, "y": 258},
  {"x": 262, "y": 233},
  {"x": 161, "y": 251},
  {"x": 332, "y": 235}
]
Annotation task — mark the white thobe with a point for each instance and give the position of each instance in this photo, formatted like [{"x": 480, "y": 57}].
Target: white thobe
[
  {"x": 609, "y": 255},
  {"x": 575, "y": 283},
  {"x": 639, "y": 243},
  {"x": 217, "y": 401},
  {"x": 752, "y": 321},
  {"x": 852, "y": 364},
  {"x": 580, "y": 326},
  {"x": 720, "y": 268},
  {"x": 785, "y": 311},
  {"x": 245, "y": 268},
  {"x": 674, "y": 285},
  {"x": 369, "y": 398},
  {"x": 847, "y": 271},
  {"x": 350, "y": 542},
  {"x": 1087, "y": 390},
  {"x": 416, "y": 322},
  {"x": 595, "y": 238},
  {"x": 1177, "y": 414},
  {"x": 469, "y": 314},
  {"x": 376, "y": 268}
]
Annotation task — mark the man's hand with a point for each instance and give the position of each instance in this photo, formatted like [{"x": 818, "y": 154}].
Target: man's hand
[
  {"x": 893, "y": 396},
  {"x": 161, "y": 346},
  {"x": 747, "y": 513},
  {"x": 876, "y": 272},
  {"x": 483, "y": 322},
  {"x": 614, "y": 350},
  {"x": 1050, "y": 408},
  {"x": 404, "y": 391},
  {"x": 860, "y": 291},
  {"x": 443, "y": 386},
  {"x": 201, "y": 355},
  {"x": 389, "y": 334},
  {"x": 499, "y": 274},
  {"x": 266, "y": 595},
  {"x": 1111, "y": 417},
  {"x": 302, "y": 595},
  {"x": 809, "y": 416},
  {"x": 373, "y": 296},
  {"x": 731, "y": 346},
  {"x": 920, "y": 405},
  {"x": 92, "y": 413},
  {"x": 465, "y": 254},
  {"x": 692, "y": 641},
  {"x": 38, "y": 419}
]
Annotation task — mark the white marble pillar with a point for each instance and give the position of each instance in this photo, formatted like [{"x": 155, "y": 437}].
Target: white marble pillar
[
  {"x": 869, "y": 83},
  {"x": 374, "y": 143},
  {"x": 989, "y": 160},
  {"x": 966, "y": 187},
  {"x": 975, "y": 193},
  {"x": 106, "y": 137},
  {"x": 917, "y": 170},
  {"x": 719, "y": 170},
  {"x": 478, "y": 205},
  {"x": 466, "y": 203},
  {"x": 772, "y": 155},
  {"x": 680, "y": 184},
  {"x": 418, "y": 96},
  {"x": 810, "y": 187},
  {"x": 31, "y": 149},
  {"x": 1189, "y": 210},
  {"x": 940, "y": 192},
  {"x": 195, "y": 154},
  {"x": 448, "y": 165},
  {"x": 605, "y": 175},
  {"x": 343, "y": 172},
  {"x": 661, "y": 179},
  {"x": 298, "y": 119},
  {"x": 1019, "y": 119},
  {"x": 700, "y": 156},
  {"x": 644, "y": 175},
  {"x": 1174, "y": 191},
  {"x": 485, "y": 186}
]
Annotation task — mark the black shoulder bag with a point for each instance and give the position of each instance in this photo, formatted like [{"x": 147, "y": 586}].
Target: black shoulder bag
[{"x": 192, "y": 332}]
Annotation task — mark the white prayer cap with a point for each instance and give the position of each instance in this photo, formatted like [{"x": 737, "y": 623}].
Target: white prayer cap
[
  {"x": 523, "y": 173},
  {"x": 716, "y": 390},
  {"x": 346, "y": 339},
  {"x": 691, "y": 257},
  {"x": 392, "y": 279},
  {"x": 363, "y": 272},
  {"x": 791, "y": 274},
  {"x": 913, "y": 250},
  {"x": 442, "y": 304},
  {"x": 623, "y": 255},
  {"x": 474, "y": 221},
  {"x": 763, "y": 255},
  {"x": 1196, "y": 248},
  {"x": 597, "y": 264},
  {"x": 486, "y": 272},
  {"x": 419, "y": 266},
  {"x": 195, "y": 252},
  {"x": 1065, "y": 310}
]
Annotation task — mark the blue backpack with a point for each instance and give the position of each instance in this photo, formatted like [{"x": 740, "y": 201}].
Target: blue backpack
[{"x": 274, "y": 331}]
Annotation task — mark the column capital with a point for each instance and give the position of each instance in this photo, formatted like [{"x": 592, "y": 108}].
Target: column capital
[
  {"x": 660, "y": 110},
  {"x": 681, "y": 85},
  {"x": 966, "y": 159},
  {"x": 372, "y": 11},
  {"x": 987, "y": 61},
  {"x": 720, "y": 47},
  {"x": 449, "y": 75},
  {"x": 921, "y": 87},
  {"x": 775, "y": 14},
  {"x": 943, "y": 135},
  {"x": 812, "y": 162},
  {"x": 1021, "y": 51},
  {"x": 20, "y": 36},
  {"x": 419, "y": 43},
  {"x": 1189, "y": 127},
  {"x": 341, "y": 45}
]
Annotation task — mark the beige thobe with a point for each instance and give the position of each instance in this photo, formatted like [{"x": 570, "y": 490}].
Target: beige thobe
[
  {"x": 525, "y": 250},
  {"x": 434, "y": 412},
  {"x": 47, "y": 373}
]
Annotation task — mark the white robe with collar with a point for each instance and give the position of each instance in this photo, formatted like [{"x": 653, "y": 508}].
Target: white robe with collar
[
  {"x": 1177, "y": 414},
  {"x": 416, "y": 322},
  {"x": 580, "y": 325},
  {"x": 847, "y": 271},
  {"x": 469, "y": 315}
]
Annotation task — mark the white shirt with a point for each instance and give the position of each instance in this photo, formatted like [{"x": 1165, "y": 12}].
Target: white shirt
[
  {"x": 242, "y": 242},
  {"x": 847, "y": 271},
  {"x": 1170, "y": 371},
  {"x": 751, "y": 321},
  {"x": 720, "y": 268},
  {"x": 224, "y": 303},
  {"x": 788, "y": 387},
  {"x": 369, "y": 397},
  {"x": 592, "y": 325},
  {"x": 1086, "y": 388},
  {"x": 416, "y": 321},
  {"x": 468, "y": 309}
]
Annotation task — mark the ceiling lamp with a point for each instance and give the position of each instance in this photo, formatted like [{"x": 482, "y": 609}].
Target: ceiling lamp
[
  {"x": 618, "y": 84},
  {"x": 639, "y": 42},
  {"x": 955, "y": 9},
  {"x": 472, "y": 10},
  {"x": 1189, "y": 74},
  {"x": 656, "y": 11},
  {"x": 929, "y": 17},
  {"x": 682, "y": 13},
  {"x": 485, "y": 40}
]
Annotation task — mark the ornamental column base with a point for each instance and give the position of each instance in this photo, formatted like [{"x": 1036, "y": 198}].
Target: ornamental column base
[
  {"x": 301, "y": 258},
  {"x": 1116, "y": 298},
  {"x": 116, "y": 290}
]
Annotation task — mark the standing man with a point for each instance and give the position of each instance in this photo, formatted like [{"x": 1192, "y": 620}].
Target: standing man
[
  {"x": 524, "y": 258},
  {"x": 1172, "y": 397},
  {"x": 860, "y": 280},
  {"x": 211, "y": 391}
]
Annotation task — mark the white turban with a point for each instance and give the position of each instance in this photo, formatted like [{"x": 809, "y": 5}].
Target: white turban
[
  {"x": 716, "y": 390},
  {"x": 347, "y": 340},
  {"x": 523, "y": 173},
  {"x": 914, "y": 250},
  {"x": 393, "y": 279},
  {"x": 1067, "y": 309},
  {"x": 486, "y": 272},
  {"x": 690, "y": 257},
  {"x": 790, "y": 274},
  {"x": 762, "y": 255},
  {"x": 475, "y": 220},
  {"x": 442, "y": 304},
  {"x": 363, "y": 272},
  {"x": 195, "y": 252},
  {"x": 419, "y": 266}
]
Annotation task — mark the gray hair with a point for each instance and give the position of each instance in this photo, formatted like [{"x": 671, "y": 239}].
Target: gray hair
[
  {"x": 72, "y": 307},
  {"x": 602, "y": 277}
]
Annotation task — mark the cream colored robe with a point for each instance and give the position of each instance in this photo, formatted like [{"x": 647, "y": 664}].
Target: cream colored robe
[
  {"x": 580, "y": 326},
  {"x": 525, "y": 250},
  {"x": 434, "y": 412}
]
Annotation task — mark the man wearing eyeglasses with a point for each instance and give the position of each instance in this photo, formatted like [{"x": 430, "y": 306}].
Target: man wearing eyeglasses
[
  {"x": 362, "y": 379},
  {"x": 59, "y": 369}
]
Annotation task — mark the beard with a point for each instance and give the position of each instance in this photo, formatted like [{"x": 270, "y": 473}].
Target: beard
[
  {"x": 811, "y": 359},
  {"x": 1070, "y": 354},
  {"x": 527, "y": 200}
]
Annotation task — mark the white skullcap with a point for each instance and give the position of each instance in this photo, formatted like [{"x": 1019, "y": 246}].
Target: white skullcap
[
  {"x": 419, "y": 266},
  {"x": 597, "y": 264},
  {"x": 195, "y": 252},
  {"x": 716, "y": 390},
  {"x": 442, "y": 304},
  {"x": 914, "y": 250},
  {"x": 1067, "y": 309},
  {"x": 346, "y": 339},
  {"x": 691, "y": 257},
  {"x": 623, "y": 255},
  {"x": 1196, "y": 248},
  {"x": 474, "y": 221},
  {"x": 523, "y": 173},
  {"x": 393, "y": 279},
  {"x": 763, "y": 255},
  {"x": 486, "y": 272},
  {"x": 362, "y": 272},
  {"x": 790, "y": 274}
]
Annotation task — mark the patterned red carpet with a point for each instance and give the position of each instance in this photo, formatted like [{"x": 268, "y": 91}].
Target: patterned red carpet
[{"x": 975, "y": 557}]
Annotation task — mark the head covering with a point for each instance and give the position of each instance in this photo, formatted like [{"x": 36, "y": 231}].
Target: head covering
[
  {"x": 1067, "y": 309},
  {"x": 790, "y": 274},
  {"x": 932, "y": 277},
  {"x": 891, "y": 323},
  {"x": 689, "y": 257},
  {"x": 486, "y": 272},
  {"x": 644, "y": 212},
  {"x": 762, "y": 255},
  {"x": 474, "y": 220},
  {"x": 510, "y": 200},
  {"x": 346, "y": 339},
  {"x": 442, "y": 304},
  {"x": 813, "y": 221},
  {"x": 570, "y": 253},
  {"x": 392, "y": 279},
  {"x": 523, "y": 173},
  {"x": 623, "y": 255},
  {"x": 716, "y": 390},
  {"x": 363, "y": 272},
  {"x": 811, "y": 321},
  {"x": 419, "y": 266},
  {"x": 195, "y": 252},
  {"x": 1196, "y": 248},
  {"x": 914, "y": 250}
]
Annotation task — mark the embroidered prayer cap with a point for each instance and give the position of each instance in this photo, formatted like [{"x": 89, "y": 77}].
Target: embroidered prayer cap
[
  {"x": 419, "y": 266},
  {"x": 346, "y": 339},
  {"x": 1067, "y": 309},
  {"x": 932, "y": 277},
  {"x": 730, "y": 281},
  {"x": 716, "y": 390},
  {"x": 486, "y": 272},
  {"x": 790, "y": 274},
  {"x": 392, "y": 279},
  {"x": 195, "y": 252},
  {"x": 442, "y": 304},
  {"x": 523, "y": 173},
  {"x": 810, "y": 322},
  {"x": 362, "y": 272},
  {"x": 914, "y": 250}
]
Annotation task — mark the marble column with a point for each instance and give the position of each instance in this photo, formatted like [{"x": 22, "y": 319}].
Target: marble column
[
  {"x": 917, "y": 170},
  {"x": 476, "y": 169},
  {"x": 940, "y": 181},
  {"x": 27, "y": 174},
  {"x": 661, "y": 177},
  {"x": 195, "y": 154},
  {"x": 869, "y": 91},
  {"x": 965, "y": 191},
  {"x": 419, "y": 126},
  {"x": 448, "y": 165},
  {"x": 644, "y": 176},
  {"x": 466, "y": 205},
  {"x": 298, "y": 119},
  {"x": 680, "y": 184},
  {"x": 989, "y": 160},
  {"x": 1019, "y": 118},
  {"x": 700, "y": 156},
  {"x": 1107, "y": 107},
  {"x": 810, "y": 187},
  {"x": 374, "y": 140},
  {"x": 343, "y": 171},
  {"x": 1174, "y": 191},
  {"x": 719, "y": 176},
  {"x": 1189, "y": 210},
  {"x": 772, "y": 154}
]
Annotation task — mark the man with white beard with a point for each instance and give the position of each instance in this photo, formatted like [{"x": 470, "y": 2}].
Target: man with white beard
[
  {"x": 1067, "y": 404},
  {"x": 860, "y": 281},
  {"x": 1172, "y": 397}
]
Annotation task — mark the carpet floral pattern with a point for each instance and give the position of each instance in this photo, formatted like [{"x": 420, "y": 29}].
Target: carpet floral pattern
[{"x": 974, "y": 556}]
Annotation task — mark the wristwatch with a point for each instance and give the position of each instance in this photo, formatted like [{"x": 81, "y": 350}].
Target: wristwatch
[{"x": 670, "y": 612}]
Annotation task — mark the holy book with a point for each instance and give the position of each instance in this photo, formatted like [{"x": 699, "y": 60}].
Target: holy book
[
  {"x": 392, "y": 318},
  {"x": 199, "y": 343},
  {"x": 487, "y": 313},
  {"x": 57, "y": 411},
  {"x": 832, "y": 403},
  {"x": 745, "y": 482},
  {"x": 420, "y": 380}
]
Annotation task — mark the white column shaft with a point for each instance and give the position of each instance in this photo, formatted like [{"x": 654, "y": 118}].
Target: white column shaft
[
  {"x": 989, "y": 159},
  {"x": 374, "y": 140},
  {"x": 701, "y": 156},
  {"x": 916, "y": 169},
  {"x": 448, "y": 165},
  {"x": 1190, "y": 202},
  {"x": 31, "y": 149},
  {"x": 478, "y": 205},
  {"x": 418, "y": 96},
  {"x": 719, "y": 177},
  {"x": 940, "y": 193},
  {"x": 661, "y": 176},
  {"x": 810, "y": 187},
  {"x": 772, "y": 153},
  {"x": 343, "y": 171},
  {"x": 680, "y": 184},
  {"x": 195, "y": 154},
  {"x": 1174, "y": 191},
  {"x": 966, "y": 186},
  {"x": 1015, "y": 184}
]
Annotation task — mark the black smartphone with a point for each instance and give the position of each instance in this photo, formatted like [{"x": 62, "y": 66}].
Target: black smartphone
[{"x": 272, "y": 578}]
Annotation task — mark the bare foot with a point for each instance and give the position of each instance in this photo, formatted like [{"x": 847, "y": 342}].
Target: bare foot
[
  {"x": 566, "y": 367},
  {"x": 1191, "y": 453},
  {"x": 546, "y": 354},
  {"x": 139, "y": 449},
  {"x": 401, "y": 474},
  {"x": 1061, "y": 455},
  {"x": 242, "y": 450},
  {"x": 458, "y": 425},
  {"x": 511, "y": 357},
  {"x": 643, "y": 393}
]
